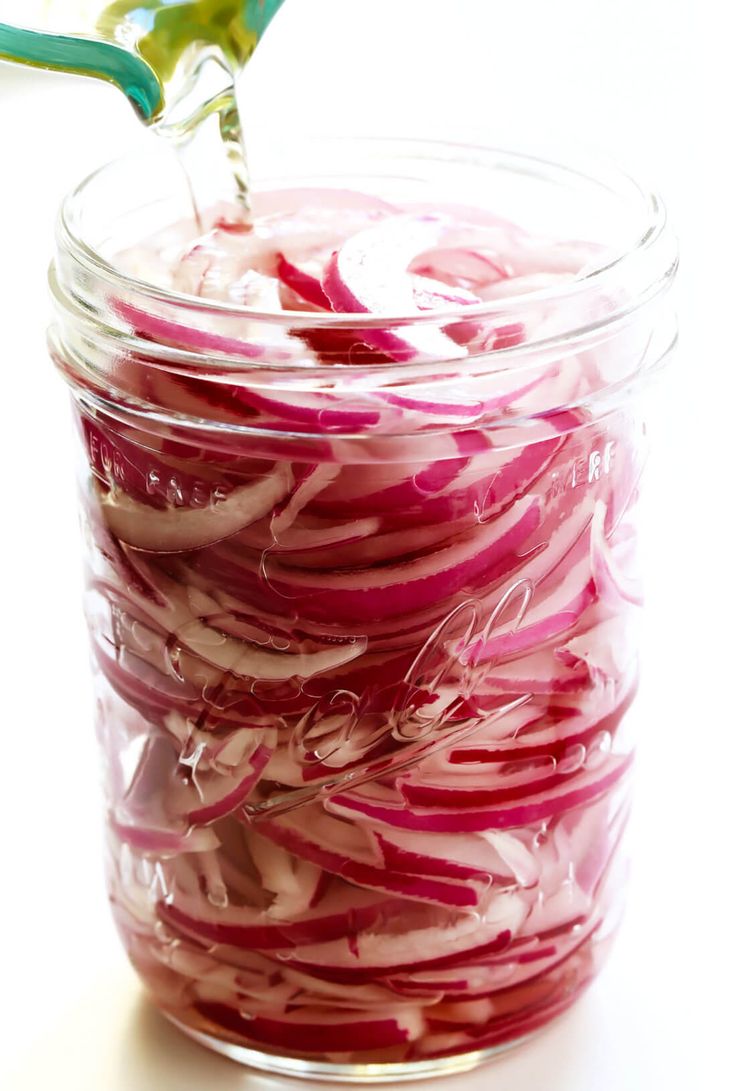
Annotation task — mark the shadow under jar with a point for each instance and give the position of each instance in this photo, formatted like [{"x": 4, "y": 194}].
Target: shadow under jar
[{"x": 362, "y": 596}]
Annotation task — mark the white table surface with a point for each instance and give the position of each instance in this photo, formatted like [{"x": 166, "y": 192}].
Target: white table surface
[{"x": 647, "y": 80}]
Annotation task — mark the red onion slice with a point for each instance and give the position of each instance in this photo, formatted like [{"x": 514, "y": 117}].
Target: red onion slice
[
  {"x": 612, "y": 585},
  {"x": 308, "y": 287},
  {"x": 369, "y": 274},
  {"x": 191, "y": 339},
  {"x": 253, "y": 930},
  {"x": 404, "y": 589},
  {"x": 319, "y": 1032},
  {"x": 164, "y": 842},
  {"x": 538, "y": 808},
  {"x": 178, "y": 529},
  {"x": 324, "y": 845},
  {"x": 183, "y": 617}
]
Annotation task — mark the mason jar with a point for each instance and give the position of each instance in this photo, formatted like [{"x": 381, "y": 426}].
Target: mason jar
[{"x": 364, "y": 630}]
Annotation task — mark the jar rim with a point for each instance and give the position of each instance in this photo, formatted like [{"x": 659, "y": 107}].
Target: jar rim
[{"x": 646, "y": 267}]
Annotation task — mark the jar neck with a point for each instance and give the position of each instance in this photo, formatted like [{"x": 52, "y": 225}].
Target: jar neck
[{"x": 588, "y": 341}]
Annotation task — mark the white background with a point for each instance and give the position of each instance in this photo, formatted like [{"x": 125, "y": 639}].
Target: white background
[{"x": 645, "y": 80}]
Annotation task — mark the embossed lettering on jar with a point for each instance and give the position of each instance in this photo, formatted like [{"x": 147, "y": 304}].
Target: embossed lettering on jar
[{"x": 360, "y": 490}]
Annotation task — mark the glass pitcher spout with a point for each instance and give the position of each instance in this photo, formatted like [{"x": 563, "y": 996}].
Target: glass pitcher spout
[
  {"x": 86, "y": 57},
  {"x": 146, "y": 48}
]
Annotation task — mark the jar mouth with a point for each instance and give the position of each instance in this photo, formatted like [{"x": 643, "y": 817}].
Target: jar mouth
[{"x": 644, "y": 266}]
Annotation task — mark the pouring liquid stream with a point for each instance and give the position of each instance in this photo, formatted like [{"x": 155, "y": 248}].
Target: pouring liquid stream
[
  {"x": 177, "y": 62},
  {"x": 205, "y": 128}
]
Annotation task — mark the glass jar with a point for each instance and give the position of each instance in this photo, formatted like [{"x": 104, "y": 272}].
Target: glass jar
[{"x": 364, "y": 634}]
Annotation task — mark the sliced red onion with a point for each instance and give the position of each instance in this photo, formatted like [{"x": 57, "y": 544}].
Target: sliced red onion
[
  {"x": 325, "y": 845},
  {"x": 312, "y": 484},
  {"x": 545, "y": 622},
  {"x": 332, "y": 921},
  {"x": 164, "y": 842},
  {"x": 426, "y": 947},
  {"x": 182, "y": 616},
  {"x": 431, "y": 295},
  {"x": 363, "y": 633},
  {"x": 461, "y": 266},
  {"x": 175, "y": 530},
  {"x": 309, "y": 536},
  {"x": 412, "y": 586},
  {"x": 457, "y": 857},
  {"x": 165, "y": 332},
  {"x": 541, "y": 807},
  {"x": 308, "y": 287},
  {"x": 611, "y": 584},
  {"x": 369, "y": 274},
  {"x": 552, "y": 733},
  {"x": 233, "y": 796},
  {"x": 318, "y": 1032}
]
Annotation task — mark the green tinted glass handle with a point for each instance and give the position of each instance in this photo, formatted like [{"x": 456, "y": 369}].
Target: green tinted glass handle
[
  {"x": 159, "y": 32},
  {"x": 87, "y": 57}
]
